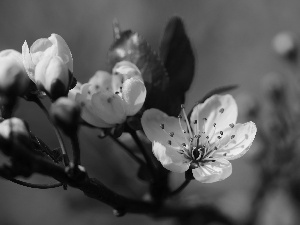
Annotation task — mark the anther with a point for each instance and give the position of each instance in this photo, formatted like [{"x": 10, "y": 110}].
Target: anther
[
  {"x": 221, "y": 110},
  {"x": 182, "y": 106},
  {"x": 169, "y": 142},
  {"x": 195, "y": 121},
  {"x": 225, "y": 154},
  {"x": 183, "y": 131},
  {"x": 205, "y": 119},
  {"x": 215, "y": 148},
  {"x": 214, "y": 124},
  {"x": 219, "y": 137},
  {"x": 180, "y": 116},
  {"x": 171, "y": 134},
  {"x": 231, "y": 125},
  {"x": 221, "y": 132},
  {"x": 162, "y": 126},
  {"x": 207, "y": 137},
  {"x": 183, "y": 144},
  {"x": 191, "y": 139},
  {"x": 232, "y": 136},
  {"x": 116, "y": 92}
]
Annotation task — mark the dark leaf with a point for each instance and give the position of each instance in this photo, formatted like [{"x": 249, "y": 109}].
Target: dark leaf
[
  {"x": 177, "y": 55},
  {"x": 144, "y": 174}
]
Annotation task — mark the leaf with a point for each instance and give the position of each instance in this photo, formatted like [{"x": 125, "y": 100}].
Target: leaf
[{"x": 177, "y": 55}]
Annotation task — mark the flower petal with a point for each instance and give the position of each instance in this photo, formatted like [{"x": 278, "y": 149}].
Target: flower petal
[
  {"x": 242, "y": 138},
  {"x": 170, "y": 158},
  {"x": 27, "y": 61},
  {"x": 62, "y": 50},
  {"x": 134, "y": 95},
  {"x": 109, "y": 107},
  {"x": 38, "y": 48},
  {"x": 102, "y": 80},
  {"x": 88, "y": 113},
  {"x": 213, "y": 172},
  {"x": 219, "y": 109},
  {"x": 151, "y": 122}
]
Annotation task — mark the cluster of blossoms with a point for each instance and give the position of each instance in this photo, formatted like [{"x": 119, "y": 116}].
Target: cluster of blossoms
[{"x": 201, "y": 142}]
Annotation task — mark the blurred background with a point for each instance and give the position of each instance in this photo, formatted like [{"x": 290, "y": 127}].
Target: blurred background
[{"x": 232, "y": 44}]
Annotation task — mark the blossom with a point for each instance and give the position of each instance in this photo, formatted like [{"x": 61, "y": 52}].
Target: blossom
[
  {"x": 13, "y": 77},
  {"x": 49, "y": 64},
  {"x": 204, "y": 143},
  {"x": 107, "y": 99}
]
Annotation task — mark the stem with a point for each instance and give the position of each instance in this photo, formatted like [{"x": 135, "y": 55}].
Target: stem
[
  {"x": 96, "y": 190},
  {"x": 128, "y": 151},
  {"x": 144, "y": 152},
  {"x": 65, "y": 156},
  {"x": 180, "y": 188},
  {"x": 76, "y": 149},
  {"x": 26, "y": 184}
]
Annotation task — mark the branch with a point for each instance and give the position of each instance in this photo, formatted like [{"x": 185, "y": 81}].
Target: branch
[{"x": 93, "y": 188}]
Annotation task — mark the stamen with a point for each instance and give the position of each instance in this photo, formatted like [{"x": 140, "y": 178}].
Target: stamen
[
  {"x": 204, "y": 122},
  {"x": 232, "y": 136},
  {"x": 231, "y": 125},
  {"x": 195, "y": 126},
  {"x": 169, "y": 142},
  {"x": 183, "y": 131},
  {"x": 221, "y": 132},
  {"x": 172, "y": 134},
  {"x": 221, "y": 110},
  {"x": 187, "y": 121},
  {"x": 162, "y": 126}
]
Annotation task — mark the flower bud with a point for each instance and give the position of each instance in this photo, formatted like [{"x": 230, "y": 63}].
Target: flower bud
[
  {"x": 285, "y": 44},
  {"x": 66, "y": 114},
  {"x": 49, "y": 64},
  {"x": 52, "y": 75},
  {"x": 13, "y": 77},
  {"x": 14, "y": 131}
]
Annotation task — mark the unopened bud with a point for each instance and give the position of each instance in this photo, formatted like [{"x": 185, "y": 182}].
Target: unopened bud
[
  {"x": 286, "y": 45},
  {"x": 13, "y": 77},
  {"x": 52, "y": 76},
  {"x": 14, "y": 131},
  {"x": 66, "y": 114}
]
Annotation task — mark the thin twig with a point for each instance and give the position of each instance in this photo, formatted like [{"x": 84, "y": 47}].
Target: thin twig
[
  {"x": 65, "y": 156},
  {"x": 30, "y": 185},
  {"x": 128, "y": 151},
  {"x": 144, "y": 152},
  {"x": 76, "y": 149},
  {"x": 180, "y": 188}
]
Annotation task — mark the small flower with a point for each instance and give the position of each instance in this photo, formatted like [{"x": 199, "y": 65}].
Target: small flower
[
  {"x": 205, "y": 143},
  {"x": 13, "y": 77},
  {"x": 49, "y": 64},
  {"x": 107, "y": 99}
]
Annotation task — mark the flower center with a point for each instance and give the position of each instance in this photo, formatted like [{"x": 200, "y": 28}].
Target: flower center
[{"x": 197, "y": 148}]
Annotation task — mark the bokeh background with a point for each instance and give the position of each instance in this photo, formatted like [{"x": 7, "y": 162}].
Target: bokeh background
[{"x": 232, "y": 44}]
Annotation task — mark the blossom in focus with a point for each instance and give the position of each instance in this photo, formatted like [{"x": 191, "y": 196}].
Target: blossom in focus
[
  {"x": 13, "y": 77},
  {"x": 107, "y": 99},
  {"x": 205, "y": 143},
  {"x": 49, "y": 64}
]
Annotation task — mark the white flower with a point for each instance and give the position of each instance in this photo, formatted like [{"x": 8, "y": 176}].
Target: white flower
[
  {"x": 13, "y": 77},
  {"x": 107, "y": 99},
  {"x": 48, "y": 63},
  {"x": 205, "y": 144}
]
